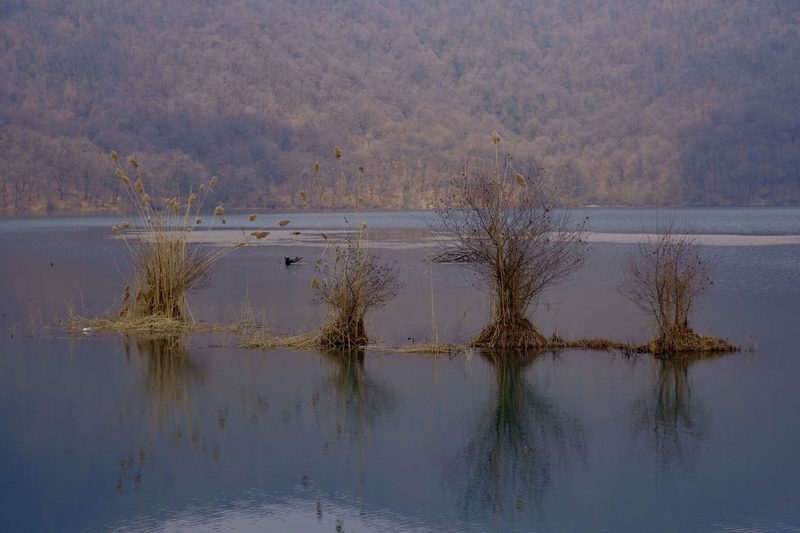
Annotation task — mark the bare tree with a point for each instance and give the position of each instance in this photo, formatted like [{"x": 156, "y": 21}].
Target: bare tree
[
  {"x": 515, "y": 238},
  {"x": 666, "y": 275}
]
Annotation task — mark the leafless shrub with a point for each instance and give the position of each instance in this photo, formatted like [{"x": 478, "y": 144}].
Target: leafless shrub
[
  {"x": 666, "y": 275},
  {"x": 517, "y": 241},
  {"x": 352, "y": 281}
]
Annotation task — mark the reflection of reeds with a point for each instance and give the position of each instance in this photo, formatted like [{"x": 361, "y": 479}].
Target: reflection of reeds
[
  {"x": 169, "y": 370},
  {"x": 359, "y": 399},
  {"x": 510, "y": 461},
  {"x": 168, "y": 375}
]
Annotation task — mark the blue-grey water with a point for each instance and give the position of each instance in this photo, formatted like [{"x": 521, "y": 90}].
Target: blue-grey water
[{"x": 107, "y": 433}]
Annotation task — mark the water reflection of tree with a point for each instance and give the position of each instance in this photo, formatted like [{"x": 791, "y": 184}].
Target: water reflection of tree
[
  {"x": 669, "y": 416},
  {"x": 522, "y": 438},
  {"x": 358, "y": 400}
]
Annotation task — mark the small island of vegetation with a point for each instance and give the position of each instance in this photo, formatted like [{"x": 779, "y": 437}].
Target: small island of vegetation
[{"x": 502, "y": 222}]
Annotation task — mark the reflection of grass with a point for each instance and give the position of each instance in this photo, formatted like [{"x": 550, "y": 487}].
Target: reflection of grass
[
  {"x": 168, "y": 374},
  {"x": 669, "y": 414},
  {"x": 169, "y": 370},
  {"x": 510, "y": 462},
  {"x": 358, "y": 399}
]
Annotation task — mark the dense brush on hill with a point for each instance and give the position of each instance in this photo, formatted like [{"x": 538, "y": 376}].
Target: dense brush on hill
[{"x": 623, "y": 101}]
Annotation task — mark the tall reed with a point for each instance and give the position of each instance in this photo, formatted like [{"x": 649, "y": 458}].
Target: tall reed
[
  {"x": 166, "y": 265},
  {"x": 352, "y": 279}
]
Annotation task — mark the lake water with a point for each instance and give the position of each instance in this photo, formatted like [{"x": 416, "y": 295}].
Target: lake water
[{"x": 104, "y": 433}]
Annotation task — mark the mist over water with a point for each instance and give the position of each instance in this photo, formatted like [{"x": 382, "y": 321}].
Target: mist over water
[{"x": 107, "y": 433}]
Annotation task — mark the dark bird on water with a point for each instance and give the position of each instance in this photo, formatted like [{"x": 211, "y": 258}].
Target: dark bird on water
[{"x": 289, "y": 261}]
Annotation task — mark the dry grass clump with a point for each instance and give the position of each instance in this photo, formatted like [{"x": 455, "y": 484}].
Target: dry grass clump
[
  {"x": 518, "y": 333},
  {"x": 682, "y": 340},
  {"x": 166, "y": 266},
  {"x": 352, "y": 282},
  {"x": 431, "y": 349},
  {"x": 147, "y": 325},
  {"x": 556, "y": 342},
  {"x": 265, "y": 340},
  {"x": 155, "y": 325}
]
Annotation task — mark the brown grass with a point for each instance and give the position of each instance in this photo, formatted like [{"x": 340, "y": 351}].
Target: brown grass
[
  {"x": 518, "y": 334},
  {"x": 431, "y": 349},
  {"x": 266, "y": 340},
  {"x": 691, "y": 344},
  {"x": 666, "y": 275},
  {"x": 556, "y": 342},
  {"x": 682, "y": 340},
  {"x": 166, "y": 266},
  {"x": 154, "y": 325}
]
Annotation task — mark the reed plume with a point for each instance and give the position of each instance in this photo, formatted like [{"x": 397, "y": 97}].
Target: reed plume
[{"x": 166, "y": 266}]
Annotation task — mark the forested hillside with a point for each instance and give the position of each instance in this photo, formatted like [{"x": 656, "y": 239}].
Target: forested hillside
[{"x": 622, "y": 101}]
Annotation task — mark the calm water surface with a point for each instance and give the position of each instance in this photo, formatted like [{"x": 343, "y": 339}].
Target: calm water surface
[{"x": 105, "y": 433}]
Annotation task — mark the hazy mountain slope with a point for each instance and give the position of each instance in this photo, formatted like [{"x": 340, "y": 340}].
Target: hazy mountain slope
[{"x": 624, "y": 101}]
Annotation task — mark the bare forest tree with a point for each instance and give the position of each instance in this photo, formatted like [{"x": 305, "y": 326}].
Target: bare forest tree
[
  {"x": 666, "y": 275},
  {"x": 510, "y": 231}
]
